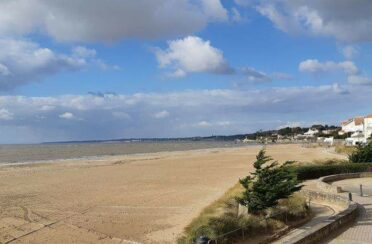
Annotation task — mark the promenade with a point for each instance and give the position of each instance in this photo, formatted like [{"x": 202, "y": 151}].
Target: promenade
[{"x": 361, "y": 231}]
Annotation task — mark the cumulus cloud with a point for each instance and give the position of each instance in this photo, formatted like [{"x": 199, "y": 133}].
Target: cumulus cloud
[
  {"x": 203, "y": 112},
  {"x": 83, "y": 52},
  {"x": 192, "y": 55},
  {"x": 107, "y": 21},
  {"x": 67, "y": 115},
  {"x": 24, "y": 61},
  {"x": 315, "y": 66},
  {"x": 347, "y": 21},
  {"x": 359, "y": 80},
  {"x": 215, "y": 10},
  {"x": 5, "y": 114}
]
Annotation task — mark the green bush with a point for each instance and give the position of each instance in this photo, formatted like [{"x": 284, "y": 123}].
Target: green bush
[
  {"x": 308, "y": 172},
  {"x": 362, "y": 154}
]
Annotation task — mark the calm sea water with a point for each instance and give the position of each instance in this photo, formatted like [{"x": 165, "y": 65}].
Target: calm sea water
[{"x": 29, "y": 153}]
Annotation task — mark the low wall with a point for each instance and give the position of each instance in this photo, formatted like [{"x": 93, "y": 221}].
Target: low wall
[
  {"x": 324, "y": 229},
  {"x": 323, "y": 183},
  {"x": 328, "y": 194}
]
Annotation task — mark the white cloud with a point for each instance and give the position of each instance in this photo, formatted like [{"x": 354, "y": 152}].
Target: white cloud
[
  {"x": 191, "y": 112},
  {"x": 203, "y": 124},
  {"x": 349, "y": 51},
  {"x": 291, "y": 124},
  {"x": 67, "y": 115},
  {"x": 47, "y": 108},
  {"x": 110, "y": 20},
  {"x": 215, "y": 10},
  {"x": 315, "y": 66},
  {"x": 347, "y": 21},
  {"x": 162, "y": 114},
  {"x": 83, "y": 52},
  {"x": 25, "y": 61},
  {"x": 359, "y": 80},
  {"x": 192, "y": 55},
  {"x": 5, "y": 114}
]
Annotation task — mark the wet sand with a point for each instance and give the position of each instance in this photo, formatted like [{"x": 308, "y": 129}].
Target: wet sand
[{"x": 145, "y": 198}]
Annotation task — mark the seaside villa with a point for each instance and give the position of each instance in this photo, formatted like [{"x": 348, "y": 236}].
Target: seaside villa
[
  {"x": 311, "y": 132},
  {"x": 359, "y": 128}
]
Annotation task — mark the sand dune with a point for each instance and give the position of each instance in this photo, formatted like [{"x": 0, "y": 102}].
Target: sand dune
[{"x": 122, "y": 199}]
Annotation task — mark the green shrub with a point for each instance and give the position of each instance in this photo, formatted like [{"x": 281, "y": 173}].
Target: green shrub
[
  {"x": 308, "y": 172},
  {"x": 362, "y": 154},
  {"x": 221, "y": 217},
  {"x": 329, "y": 161}
]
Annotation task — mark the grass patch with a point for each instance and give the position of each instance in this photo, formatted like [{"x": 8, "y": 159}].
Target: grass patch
[
  {"x": 201, "y": 225},
  {"x": 221, "y": 217},
  {"x": 342, "y": 149},
  {"x": 331, "y": 161}
]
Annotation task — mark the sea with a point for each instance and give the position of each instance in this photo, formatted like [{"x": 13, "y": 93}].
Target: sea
[{"x": 40, "y": 152}]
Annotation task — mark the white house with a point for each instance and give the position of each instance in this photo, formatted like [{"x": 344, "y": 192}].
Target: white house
[
  {"x": 353, "y": 125},
  {"x": 360, "y": 127},
  {"x": 367, "y": 127},
  {"x": 329, "y": 140},
  {"x": 311, "y": 132}
]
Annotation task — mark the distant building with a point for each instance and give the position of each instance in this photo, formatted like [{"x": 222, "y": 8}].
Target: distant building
[
  {"x": 311, "y": 132},
  {"x": 352, "y": 125},
  {"x": 360, "y": 129},
  {"x": 367, "y": 127}
]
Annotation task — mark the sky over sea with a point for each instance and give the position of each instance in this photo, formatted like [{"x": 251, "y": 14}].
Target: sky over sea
[{"x": 85, "y": 70}]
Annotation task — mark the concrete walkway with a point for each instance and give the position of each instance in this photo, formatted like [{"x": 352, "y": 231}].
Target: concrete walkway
[
  {"x": 321, "y": 212},
  {"x": 361, "y": 231}
]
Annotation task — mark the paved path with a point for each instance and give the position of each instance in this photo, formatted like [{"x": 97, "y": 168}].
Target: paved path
[
  {"x": 322, "y": 212},
  {"x": 361, "y": 231}
]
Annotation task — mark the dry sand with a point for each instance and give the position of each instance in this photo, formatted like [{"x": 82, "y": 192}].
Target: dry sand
[{"x": 123, "y": 199}]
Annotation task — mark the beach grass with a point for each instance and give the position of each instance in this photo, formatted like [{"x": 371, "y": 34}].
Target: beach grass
[
  {"x": 342, "y": 149},
  {"x": 221, "y": 217}
]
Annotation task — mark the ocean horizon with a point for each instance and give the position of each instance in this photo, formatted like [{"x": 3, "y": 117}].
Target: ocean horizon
[{"x": 24, "y": 153}]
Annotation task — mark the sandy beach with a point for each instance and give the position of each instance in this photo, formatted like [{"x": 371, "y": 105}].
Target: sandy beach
[{"x": 146, "y": 198}]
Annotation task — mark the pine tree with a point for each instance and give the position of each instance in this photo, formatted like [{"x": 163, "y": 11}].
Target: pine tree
[{"x": 268, "y": 184}]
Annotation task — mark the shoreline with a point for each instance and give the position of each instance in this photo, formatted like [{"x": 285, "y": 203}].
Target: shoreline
[{"x": 111, "y": 157}]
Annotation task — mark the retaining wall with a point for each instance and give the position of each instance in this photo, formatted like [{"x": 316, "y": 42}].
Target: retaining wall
[
  {"x": 328, "y": 193},
  {"x": 324, "y": 183}
]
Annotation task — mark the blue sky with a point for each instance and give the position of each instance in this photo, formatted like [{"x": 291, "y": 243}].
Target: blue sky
[{"x": 79, "y": 70}]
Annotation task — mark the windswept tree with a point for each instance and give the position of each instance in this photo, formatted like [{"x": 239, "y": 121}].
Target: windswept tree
[{"x": 268, "y": 184}]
